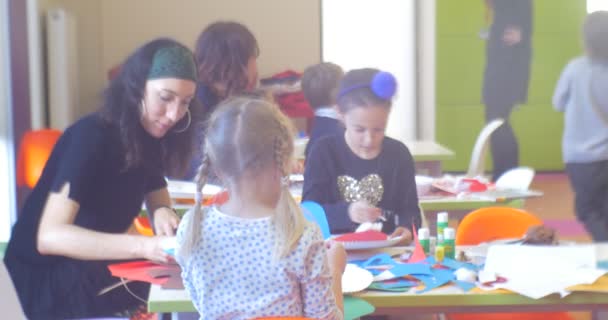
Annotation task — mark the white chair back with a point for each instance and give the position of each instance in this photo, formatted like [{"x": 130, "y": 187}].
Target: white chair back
[
  {"x": 518, "y": 178},
  {"x": 478, "y": 156}
]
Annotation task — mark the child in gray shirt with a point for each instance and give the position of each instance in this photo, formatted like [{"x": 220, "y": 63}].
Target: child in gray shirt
[{"x": 582, "y": 94}]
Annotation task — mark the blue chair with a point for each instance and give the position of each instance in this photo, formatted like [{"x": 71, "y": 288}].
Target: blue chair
[{"x": 315, "y": 213}]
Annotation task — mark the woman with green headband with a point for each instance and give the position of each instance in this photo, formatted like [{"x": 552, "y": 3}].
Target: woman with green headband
[{"x": 76, "y": 220}]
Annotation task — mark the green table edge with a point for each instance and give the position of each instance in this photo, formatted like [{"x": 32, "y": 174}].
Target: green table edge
[
  {"x": 354, "y": 307},
  {"x": 487, "y": 299},
  {"x": 468, "y": 205}
]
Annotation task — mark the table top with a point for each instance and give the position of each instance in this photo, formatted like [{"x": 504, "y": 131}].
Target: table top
[
  {"x": 444, "y": 299},
  {"x": 429, "y": 151}
]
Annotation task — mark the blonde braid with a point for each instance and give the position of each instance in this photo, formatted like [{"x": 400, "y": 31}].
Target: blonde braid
[
  {"x": 194, "y": 227},
  {"x": 289, "y": 219}
]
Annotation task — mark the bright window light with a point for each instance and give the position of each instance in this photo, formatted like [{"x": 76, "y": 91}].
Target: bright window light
[{"x": 597, "y": 5}]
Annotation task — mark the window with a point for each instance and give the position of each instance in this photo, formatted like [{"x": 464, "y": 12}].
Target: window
[{"x": 596, "y": 5}]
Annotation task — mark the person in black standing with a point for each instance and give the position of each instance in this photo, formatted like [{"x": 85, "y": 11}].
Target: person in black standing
[{"x": 506, "y": 76}]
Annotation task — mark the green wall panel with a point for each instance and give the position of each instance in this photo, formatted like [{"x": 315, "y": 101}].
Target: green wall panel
[
  {"x": 551, "y": 53},
  {"x": 460, "y": 63},
  {"x": 538, "y": 129}
]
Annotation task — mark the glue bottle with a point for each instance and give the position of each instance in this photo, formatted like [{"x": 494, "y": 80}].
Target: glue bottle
[
  {"x": 449, "y": 245},
  {"x": 442, "y": 223},
  {"x": 425, "y": 240}
]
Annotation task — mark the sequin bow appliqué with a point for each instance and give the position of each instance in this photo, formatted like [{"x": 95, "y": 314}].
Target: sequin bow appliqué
[{"x": 369, "y": 189}]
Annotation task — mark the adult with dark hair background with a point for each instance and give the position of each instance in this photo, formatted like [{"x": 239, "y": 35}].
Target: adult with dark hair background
[
  {"x": 77, "y": 218},
  {"x": 226, "y": 53},
  {"x": 507, "y": 73}
]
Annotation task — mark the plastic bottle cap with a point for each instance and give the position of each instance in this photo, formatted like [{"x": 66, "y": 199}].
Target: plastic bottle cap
[
  {"x": 424, "y": 233},
  {"x": 449, "y": 233},
  {"x": 442, "y": 217}
]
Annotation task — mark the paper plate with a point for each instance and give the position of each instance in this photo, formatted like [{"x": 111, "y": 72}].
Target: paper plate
[
  {"x": 362, "y": 245},
  {"x": 355, "y": 279}
]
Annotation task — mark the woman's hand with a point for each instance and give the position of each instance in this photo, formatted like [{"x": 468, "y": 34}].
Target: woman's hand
[
  {"x": 165, "y": 221},
  {"x": 404, "y": 234},
  {"x": 361, "y": 212},
  {"x": 336, "y": 257},
  {"x": 152, "y": 249}
]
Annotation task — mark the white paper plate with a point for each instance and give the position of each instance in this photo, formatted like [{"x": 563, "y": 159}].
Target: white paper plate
[
  {"x": 355, "y": 279},
  {"x": 362, "y": 245}
]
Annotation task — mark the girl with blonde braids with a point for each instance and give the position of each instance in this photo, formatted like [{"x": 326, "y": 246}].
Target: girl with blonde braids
[{"x": 255, "y": 255}]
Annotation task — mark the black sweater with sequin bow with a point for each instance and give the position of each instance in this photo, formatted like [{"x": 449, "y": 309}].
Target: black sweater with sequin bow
[{"x": 335, "y": 176}]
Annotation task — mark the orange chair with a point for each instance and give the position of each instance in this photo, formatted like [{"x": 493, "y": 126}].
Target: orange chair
[
  {"x": 494, "y": 223},
  {"x": 34, "y": 150}
]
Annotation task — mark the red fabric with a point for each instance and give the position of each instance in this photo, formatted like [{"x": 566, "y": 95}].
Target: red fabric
[{"x": 295, "y": 105}]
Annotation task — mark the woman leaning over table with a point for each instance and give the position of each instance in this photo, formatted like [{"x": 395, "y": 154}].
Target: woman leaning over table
[{"x": 103, "y": 167}]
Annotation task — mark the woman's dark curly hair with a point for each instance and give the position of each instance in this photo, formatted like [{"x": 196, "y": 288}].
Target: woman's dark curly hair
[
  {"x": 223, "y": 50},
  {"x": 121, "y": 108}
]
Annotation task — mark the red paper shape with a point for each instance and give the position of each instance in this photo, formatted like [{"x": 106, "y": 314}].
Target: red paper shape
[
  {"x": 418, "y": 254},
  {"x": 370, "y": 235},
  {"x": 166, "y": 275}
]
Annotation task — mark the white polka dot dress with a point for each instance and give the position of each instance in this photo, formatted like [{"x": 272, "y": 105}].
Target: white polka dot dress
[{"x": 232, "y": 272}]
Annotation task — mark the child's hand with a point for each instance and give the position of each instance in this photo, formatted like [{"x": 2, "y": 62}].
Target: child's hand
[
  {"x": 361, "y": 212},
  {"x": 404, "y": 234},
  {"x": 165, "y": 222},
  {"x": 336, "y": 257}
]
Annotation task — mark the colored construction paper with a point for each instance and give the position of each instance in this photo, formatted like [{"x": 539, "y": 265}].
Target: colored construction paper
[
  {"x": 455, "y": 265},
  {"x": 168, "y": 276},
  {"x": 404, "y": 269},
  {"x": 438, "y": 278},
  {"x": 418, "y": 254},
  {"x": 355, "y": 308}
]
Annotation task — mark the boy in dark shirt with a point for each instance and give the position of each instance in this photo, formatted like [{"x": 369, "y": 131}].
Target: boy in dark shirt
[{"x": 319, "y": 85}]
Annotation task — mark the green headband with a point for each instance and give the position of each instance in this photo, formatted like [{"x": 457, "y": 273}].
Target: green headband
[{"x": 173, "y": 62}]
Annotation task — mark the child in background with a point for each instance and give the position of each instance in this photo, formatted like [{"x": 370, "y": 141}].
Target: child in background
[
  {"x": 255, "y": 255},
  {"x": 320, "y": 84},
  {"x": 362, "y": 176},
  {"x": 226, "y": 54},
  {"x": 582, "y": 94}
]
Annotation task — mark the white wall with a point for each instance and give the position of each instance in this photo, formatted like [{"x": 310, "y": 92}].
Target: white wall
[
  {"x": 287, "y": 31},
  {"x": 596, "y": 5},
  {"x": 7, "y": 168},
  {"x": 379, "y": 34}
]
